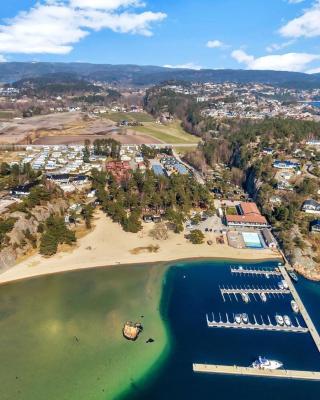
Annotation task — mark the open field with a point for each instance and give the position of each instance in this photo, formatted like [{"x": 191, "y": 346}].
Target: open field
[
  {"x": 67, "y": 128},
  {"x": 136, "y": 116},
  {"x": 172, "y": 133}
]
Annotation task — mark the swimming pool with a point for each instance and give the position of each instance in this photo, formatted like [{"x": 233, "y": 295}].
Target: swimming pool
[{"x": 252, "y": 240}]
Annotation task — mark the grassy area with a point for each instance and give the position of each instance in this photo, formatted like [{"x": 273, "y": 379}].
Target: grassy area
[
  {"x": 121, "y": 116},
  {"x": 171, "y": 133}
]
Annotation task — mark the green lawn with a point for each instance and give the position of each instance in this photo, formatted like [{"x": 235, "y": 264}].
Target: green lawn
[
  {"x": 172, "y": 133},
  {"x": 120, "y": 116}
]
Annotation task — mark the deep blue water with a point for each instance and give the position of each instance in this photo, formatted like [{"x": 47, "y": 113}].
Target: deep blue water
[{"x": 191, "y": 291}]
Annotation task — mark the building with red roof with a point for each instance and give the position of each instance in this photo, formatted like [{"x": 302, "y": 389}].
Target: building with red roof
[{"x": 249, "y": 216}]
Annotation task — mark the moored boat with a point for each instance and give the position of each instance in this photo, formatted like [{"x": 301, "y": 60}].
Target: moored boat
[
  {"x": 264, "y": 363},
  {"x": 245, "y": 318},
  {"x": 287, "y": 320},
  {"x": 263, "y": 297},
  {"x": 280, "y": 285},
  {"x": 293, "y": 276},
  {"x": 238, "y": 318},
  {"x": 294, "y": 306},
  {"x": 245, "y": 297},
  {"x": 280, "y": 320}
]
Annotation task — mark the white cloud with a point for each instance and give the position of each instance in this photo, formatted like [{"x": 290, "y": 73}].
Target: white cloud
[
  {"x": 189, "y": 65},
  {"x": 307, "y": 25},
  {"x": 314, "y": 71},
  {"x": 295, "y": 1},
  {"x": 215, "y": 44},
  {"x": 296, "y": 62},
  {"x": 278, "y": 46},
  {"x": 105, "y": 4},
  {"x": 54, "y": 26},
  {"x": 2, "y": 59}
]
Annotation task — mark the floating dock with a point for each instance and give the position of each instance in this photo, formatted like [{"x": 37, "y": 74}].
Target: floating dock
[
  {"x": 312, "y": 329},
  {"x": 249, "y": 371},
  {"x": 252, "y": 271},
  {"x": 253, "y": 290},
  {"x": 255, "y": 326}
]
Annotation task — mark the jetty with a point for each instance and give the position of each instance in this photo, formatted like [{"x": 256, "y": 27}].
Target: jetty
[
  {"x": 253, "y": 271},
  {"x": 263, "y": 326},
  {"x": 252, "y": 290},
  {"x": 249, "y": 371},
  {"x": 308, "y": 321}
]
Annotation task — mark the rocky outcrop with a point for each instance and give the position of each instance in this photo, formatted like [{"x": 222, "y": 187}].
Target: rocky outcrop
[{"x": 18, "y": 244}]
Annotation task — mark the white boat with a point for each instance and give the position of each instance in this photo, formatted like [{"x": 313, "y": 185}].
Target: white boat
[
  {"x": 287, "y": 320},
  {"x": 263, "y": 297},
  {"x": 279, "y": 319},
  {"x": 238, "y": 318},
  {"x": 245, "y": 318},
  {"x": 285, "y": 284},
  {"x": 264, "y": 363},
  {"x": 294, "y": 306},
  {"x": 245, "y": 297},
  {"x": 280, "y": 285}
]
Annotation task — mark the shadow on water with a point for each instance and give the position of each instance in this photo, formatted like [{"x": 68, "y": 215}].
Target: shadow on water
[{"x": 191, "y": 291}]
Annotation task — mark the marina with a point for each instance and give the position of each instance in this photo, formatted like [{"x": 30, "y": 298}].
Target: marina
[
  {"x": 264, "y": 326},
  {"x": 249, "y": 371}
]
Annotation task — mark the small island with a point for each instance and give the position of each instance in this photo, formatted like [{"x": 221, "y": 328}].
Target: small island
[{"x": 132, "y": 330}]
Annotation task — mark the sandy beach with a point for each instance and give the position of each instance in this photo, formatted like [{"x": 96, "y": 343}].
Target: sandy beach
[{"x": 107, "y": 244}]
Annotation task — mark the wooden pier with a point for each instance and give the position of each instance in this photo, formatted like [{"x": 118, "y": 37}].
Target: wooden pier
[
  {"x": 312, "y": 329},
  {"x": 252, "y": 271},
  {"x": 255, "y": 325},
  {"x": 249, "y": 371}
]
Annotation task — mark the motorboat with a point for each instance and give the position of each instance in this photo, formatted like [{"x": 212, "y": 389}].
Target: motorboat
[
  {"x": 287, "y": 320},
  {"x": 238, "y": 318},
  {"x": 280, "y": 320},
  {"x": 245, "y": 318},
  {"x": 264, "y": 363},
  {"x": 263, "y": 297},
  {"x": 293, "y": 276},
  {"x": 294, "y": 306},
  {"x": 245, "y": 297}
]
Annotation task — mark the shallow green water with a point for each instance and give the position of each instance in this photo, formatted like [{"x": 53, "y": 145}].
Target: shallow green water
[{"x": 60, "y": 336}]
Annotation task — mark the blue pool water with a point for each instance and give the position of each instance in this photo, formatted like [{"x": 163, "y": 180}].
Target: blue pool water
[{"x": 252, "y": 240}]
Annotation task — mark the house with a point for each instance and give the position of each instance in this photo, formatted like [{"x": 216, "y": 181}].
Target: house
[
  {"x": 315, "y": 226},
  {"x": 59, "y": 178},
  {"x": 119, "y": 169},
  {"x": 22, "y": 190},
  {"x": 311, "y": 206},
  {"x": 249, "y": 216},
  {"x": 285, "y": 164},
  {"x": 268, "y": 151},
  {"x": 269, "y": 239}
]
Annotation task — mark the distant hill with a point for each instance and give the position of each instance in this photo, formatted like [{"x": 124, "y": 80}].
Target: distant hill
[{"x": 149, "y": 75}]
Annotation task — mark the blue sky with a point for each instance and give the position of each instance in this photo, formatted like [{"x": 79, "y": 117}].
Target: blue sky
[{"x": 248, "y": 34}]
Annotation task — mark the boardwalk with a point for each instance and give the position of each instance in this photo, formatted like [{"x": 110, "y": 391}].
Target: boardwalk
[
  {"x": 255, "y": 326},
  {"x": 252, "y": 271},
  {"x": 249, "y": 371},
  {"x": 312, "y": 329}
]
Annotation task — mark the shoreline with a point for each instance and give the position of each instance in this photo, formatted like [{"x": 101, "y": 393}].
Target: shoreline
[{"x": 96, "y": 250}]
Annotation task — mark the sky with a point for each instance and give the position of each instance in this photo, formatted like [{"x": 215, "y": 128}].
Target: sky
[{"x": 247, "y": 34}]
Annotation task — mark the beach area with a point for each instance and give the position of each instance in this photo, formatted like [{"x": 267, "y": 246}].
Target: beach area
[{"x": 107, "y": 244}]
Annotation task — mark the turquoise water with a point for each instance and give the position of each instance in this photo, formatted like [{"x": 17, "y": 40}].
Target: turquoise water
[{"x": 191, "y": 291}]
